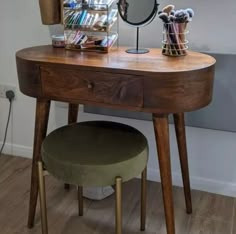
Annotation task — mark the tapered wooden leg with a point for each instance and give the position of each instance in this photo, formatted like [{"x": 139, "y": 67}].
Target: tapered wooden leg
[
  {"x": 181, "y": 140},
  {"x": 41, "y": 123},
  {"x": 72, "y": 118},
  {"x": 42, "y": 196},
  {"x": 73, "y": 113},
  {"x": 80, "y": 200},
  {"x": 118, "y": 205},
  {"x": 143, "y": 199},
  {"x": 161, "y": 128}
]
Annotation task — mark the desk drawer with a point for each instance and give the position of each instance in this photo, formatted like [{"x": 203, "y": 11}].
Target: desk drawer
[{"x": 101, "y": 87}]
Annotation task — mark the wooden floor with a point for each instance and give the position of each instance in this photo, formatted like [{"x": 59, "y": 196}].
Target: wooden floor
[{"x": 212, "y": 214}]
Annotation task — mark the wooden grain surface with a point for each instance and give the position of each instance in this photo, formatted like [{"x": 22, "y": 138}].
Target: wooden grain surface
[
  {"x": 40, "y": 131},
  {"x": 183, "y": 156},
  {"x": 93, "y": 86},
  {"x": 148, "y": 82},
  {"x": 118, "y": 59},
  {"x": 161, "y": 129},
  {"x": 213, "y": 214}
]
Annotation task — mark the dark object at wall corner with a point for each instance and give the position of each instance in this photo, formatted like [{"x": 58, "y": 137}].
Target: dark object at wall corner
[{"x": 50, "y": 11}]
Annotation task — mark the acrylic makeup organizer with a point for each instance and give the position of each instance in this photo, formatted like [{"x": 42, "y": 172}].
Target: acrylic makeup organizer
[
  {"x": 174, "y": 39},
  {"x": 90, "y": 25}
]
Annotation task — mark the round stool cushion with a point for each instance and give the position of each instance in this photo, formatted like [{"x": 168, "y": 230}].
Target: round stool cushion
[{"x": 94, "y": 153}]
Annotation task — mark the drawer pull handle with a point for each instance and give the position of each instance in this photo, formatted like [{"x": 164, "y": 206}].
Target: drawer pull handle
[{"x": 90, "y": 86}]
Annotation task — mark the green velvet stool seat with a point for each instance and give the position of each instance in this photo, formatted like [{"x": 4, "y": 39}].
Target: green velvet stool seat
[{"x": 94, "y": 153}]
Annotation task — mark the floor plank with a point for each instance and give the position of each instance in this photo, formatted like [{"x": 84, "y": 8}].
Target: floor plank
[
  {"x": 234, "y": 219},
  {"x": 212, "y": 214},
  {"x": 202, "y": 225},
  {"x": 213, "y": 206}
]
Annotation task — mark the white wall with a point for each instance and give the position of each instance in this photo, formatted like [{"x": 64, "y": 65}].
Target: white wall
[
  {"x": 210, "y": 30},
  {"x": 211, "y": 153}
]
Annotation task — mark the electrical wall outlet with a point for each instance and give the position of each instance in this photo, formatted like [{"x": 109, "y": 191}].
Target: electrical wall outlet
[{"x": 5, "y": 88}]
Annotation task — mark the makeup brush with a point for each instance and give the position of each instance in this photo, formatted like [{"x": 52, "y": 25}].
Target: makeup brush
[
  {"x": 190, "y": 12},
  {"x": 180, "y": 16},
  {"x": 166, "y": 20},
  {"x": 172, "y": 12},
  {"x": 170, "y": 34},
  {"x": 172, "y": 18},
  {"x": 175, "y": 23},
  {"x": 164, "y": 16},
  {"x": 168, "y": 9}
]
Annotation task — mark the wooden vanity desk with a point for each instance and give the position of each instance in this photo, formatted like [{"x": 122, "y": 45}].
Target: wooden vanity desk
[{"x": 138, "y": 82}]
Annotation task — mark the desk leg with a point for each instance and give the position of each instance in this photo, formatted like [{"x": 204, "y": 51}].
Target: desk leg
[
  {"x": 72, "y": 118},
  {"x": 161, "y": 128},
  {"x": 41, "y": 123},
  {"x": 73, "y": 113},
  {"x": 181, "y": 140}
]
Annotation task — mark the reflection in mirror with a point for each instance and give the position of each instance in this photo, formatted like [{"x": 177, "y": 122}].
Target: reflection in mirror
[{"x": 137, "y": 13}]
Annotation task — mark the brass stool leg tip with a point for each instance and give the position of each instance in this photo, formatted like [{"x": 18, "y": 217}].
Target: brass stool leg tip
[
  {"x": 143, "y": 199},
  {"x": 118, "y": 205}
]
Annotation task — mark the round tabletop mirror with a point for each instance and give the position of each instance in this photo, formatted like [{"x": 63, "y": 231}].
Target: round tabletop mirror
[{"x": 137, "y": 13}]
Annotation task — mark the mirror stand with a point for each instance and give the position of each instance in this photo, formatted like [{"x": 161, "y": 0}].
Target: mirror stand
[{"x": 137, "y": 50}]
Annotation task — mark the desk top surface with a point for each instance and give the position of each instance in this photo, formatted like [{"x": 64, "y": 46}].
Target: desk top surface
[
  {"x": 153, "y": 61},
  {"x": 145, "y": 82}
]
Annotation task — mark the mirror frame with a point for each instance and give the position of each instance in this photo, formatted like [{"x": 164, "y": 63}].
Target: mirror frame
[{"x": 148, "y": 20}]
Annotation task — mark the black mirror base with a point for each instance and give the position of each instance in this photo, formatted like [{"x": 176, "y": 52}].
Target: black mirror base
[{"x": 137, "y": 51}]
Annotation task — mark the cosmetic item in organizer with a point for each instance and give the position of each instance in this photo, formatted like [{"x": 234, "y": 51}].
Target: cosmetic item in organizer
[
  {"x": 80, "y": 40},
  {"x": 90, "y": 21},
  {"x": 108, "y": 41},
  {"x": 58, "y": 41},
  {"x": 175, "y": 30},
  {"x": 95, "y": 19},
  {"x": 71, "y": 18},
  {"x": 104, "y": 20},
  {"x": 86, "y": 19},
  {"x": 89, "y": 29},
  {"x": 67, "y": 16},
  {"x": 82, "y": 18},
  {"x": 77, "y": 38},
  {"x": 72, "y": 4},
  {"x": 100, "y": 22},
  {"x": 97, "y": 43},
  {"x": 87, "y": 4},
  {"x": 92, "y": 43},
  {"x": 111, "y": 17},
  {"x": 99, "y": 4}
]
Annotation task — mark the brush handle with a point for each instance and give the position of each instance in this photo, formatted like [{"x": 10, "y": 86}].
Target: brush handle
[{"x": 174, "y": 44}]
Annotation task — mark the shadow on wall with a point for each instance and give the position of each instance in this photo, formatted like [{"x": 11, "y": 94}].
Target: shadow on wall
[{"x": 219, "y": 115}]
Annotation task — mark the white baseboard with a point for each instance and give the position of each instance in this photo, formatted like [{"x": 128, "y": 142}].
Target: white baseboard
[
  {"x": 18, "y": 150},
  {"x": 198, "y": 183}
]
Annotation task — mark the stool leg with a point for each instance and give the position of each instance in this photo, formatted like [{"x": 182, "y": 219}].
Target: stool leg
[
  {"x": 118, "y": 205},
  {"x": 80, "y": 200},
  {"x": 42, "y": 196},
  {"x": 143, "y": 199}
]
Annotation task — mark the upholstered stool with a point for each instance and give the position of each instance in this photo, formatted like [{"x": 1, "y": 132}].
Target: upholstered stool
[{"x": 95, "y": 153}]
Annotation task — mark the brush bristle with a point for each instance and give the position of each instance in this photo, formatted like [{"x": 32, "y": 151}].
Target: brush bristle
[
  {"x": 190, "y": 12},
  {"x": 164, "y": 16}
]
